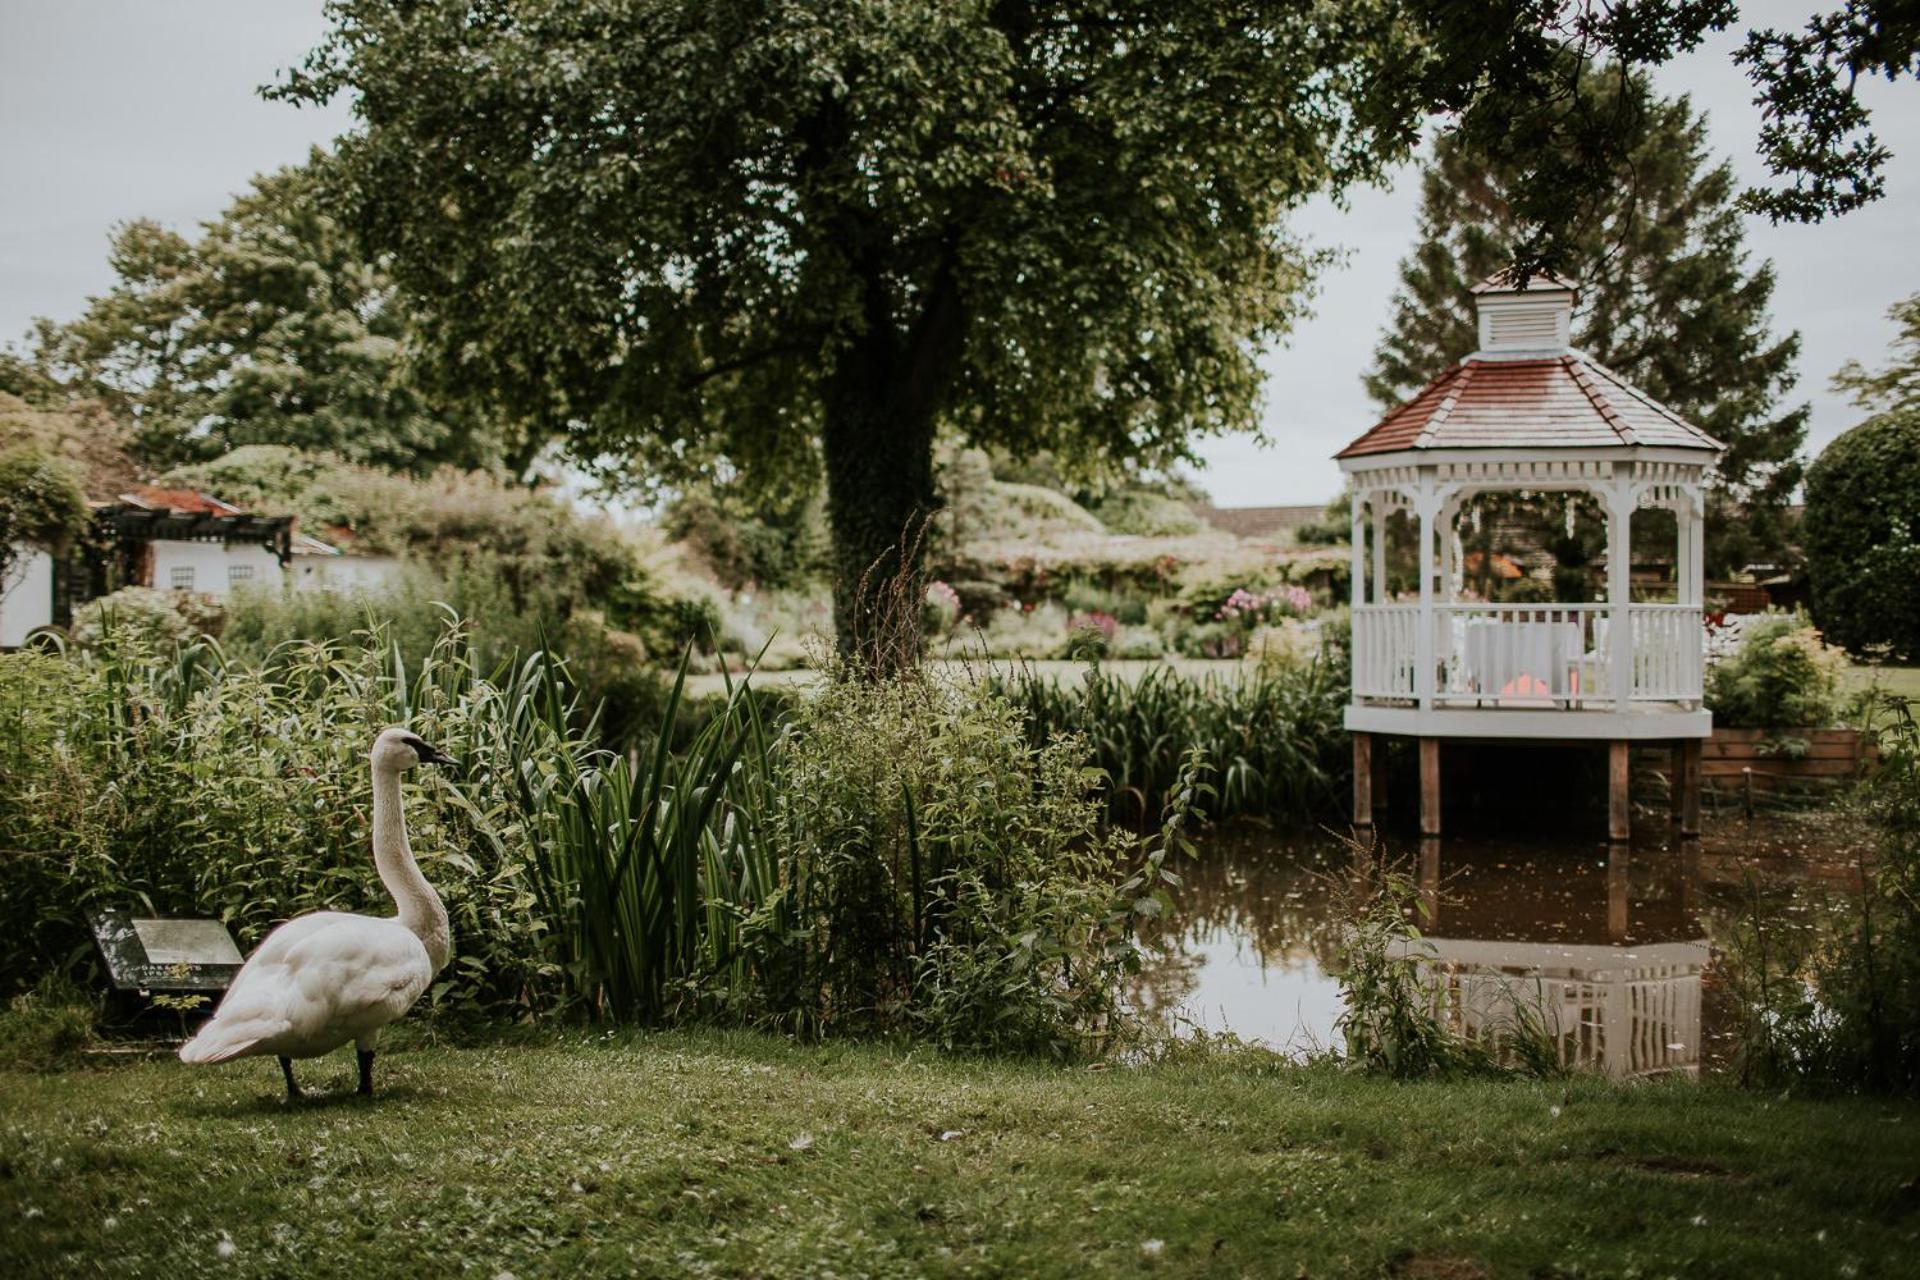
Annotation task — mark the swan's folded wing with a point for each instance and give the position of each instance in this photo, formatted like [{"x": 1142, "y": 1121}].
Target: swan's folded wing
[
  {"x": 368, "y": 972},
  {"x": 256, "y": 1006}
]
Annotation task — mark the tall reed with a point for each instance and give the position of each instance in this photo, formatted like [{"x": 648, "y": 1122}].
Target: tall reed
[{"x": 1275, "y": 739}]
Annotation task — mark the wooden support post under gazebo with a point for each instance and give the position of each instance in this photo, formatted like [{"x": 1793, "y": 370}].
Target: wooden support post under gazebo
[{"x": 1529, "y": 414}]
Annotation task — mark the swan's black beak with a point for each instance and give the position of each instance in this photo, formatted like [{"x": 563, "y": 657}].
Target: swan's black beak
[{"x": 433, "y": 755}]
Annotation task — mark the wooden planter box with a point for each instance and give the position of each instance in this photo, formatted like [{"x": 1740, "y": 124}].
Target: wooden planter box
[{"x": 1832, "y": 757}]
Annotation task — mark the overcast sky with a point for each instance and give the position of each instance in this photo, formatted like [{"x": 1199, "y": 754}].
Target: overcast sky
[{"x": 117, "y": 109}]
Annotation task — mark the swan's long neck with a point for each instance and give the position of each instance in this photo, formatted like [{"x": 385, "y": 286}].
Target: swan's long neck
[{"x": 420, "y": 907}]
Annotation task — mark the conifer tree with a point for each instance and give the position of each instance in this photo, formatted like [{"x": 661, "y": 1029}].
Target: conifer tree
[{"x": 1668, "y": 298}]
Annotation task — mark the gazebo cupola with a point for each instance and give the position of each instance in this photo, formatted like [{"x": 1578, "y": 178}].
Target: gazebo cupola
[{"x": 1528, "y": 414}]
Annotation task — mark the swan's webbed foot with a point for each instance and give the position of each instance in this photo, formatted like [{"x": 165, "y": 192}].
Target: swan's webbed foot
[
  {"x": 366, "y": 1072},
  {"x": 286, "y": 1069}
]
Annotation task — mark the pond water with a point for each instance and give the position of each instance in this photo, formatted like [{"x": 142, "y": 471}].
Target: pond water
[{"x": 1622, "y": 950}]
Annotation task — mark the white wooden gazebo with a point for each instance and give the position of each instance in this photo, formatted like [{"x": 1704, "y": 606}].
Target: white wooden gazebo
[{"x": 1527, "y": 413}]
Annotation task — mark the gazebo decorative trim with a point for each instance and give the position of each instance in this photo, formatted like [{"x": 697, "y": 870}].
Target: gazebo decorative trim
[{"x": 1520, "y": 417}]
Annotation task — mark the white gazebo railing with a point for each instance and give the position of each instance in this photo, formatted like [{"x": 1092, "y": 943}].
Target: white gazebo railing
[{"x": 1528, "y": 656}]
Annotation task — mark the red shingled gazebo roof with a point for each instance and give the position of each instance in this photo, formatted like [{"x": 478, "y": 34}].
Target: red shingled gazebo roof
[{"x": 1559, "y": 401}]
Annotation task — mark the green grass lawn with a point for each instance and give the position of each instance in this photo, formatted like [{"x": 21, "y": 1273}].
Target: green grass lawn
[
  {"x": 687, "y": 1154},
  {"x": 1904, "y": 681}
]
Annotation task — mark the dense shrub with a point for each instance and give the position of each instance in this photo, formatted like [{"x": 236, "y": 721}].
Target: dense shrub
[
  {"x": 614, "y": 671},
  {"x": 41, "y": 504},
  {"x": 1860, "y": 535},
  {"x": 940, "y": 873},
  {"x": 1783, "y": 676},
  {"x": 178, "y": 784},
  {"x": 162, "y": 618},
  {"x": 747, "y": 543},
  {"x": 1145, "y": 513},
  {"x": 505, "y": 550},
  {"x": 899, "y": 859}
]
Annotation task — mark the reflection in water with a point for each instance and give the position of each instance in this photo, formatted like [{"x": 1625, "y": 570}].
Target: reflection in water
[{"x": 1613, "y": 948}]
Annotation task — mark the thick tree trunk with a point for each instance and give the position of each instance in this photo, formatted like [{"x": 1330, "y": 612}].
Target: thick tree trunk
[
  {"x": 880, "y": 494},
  {"x": 883, "y": 400}
]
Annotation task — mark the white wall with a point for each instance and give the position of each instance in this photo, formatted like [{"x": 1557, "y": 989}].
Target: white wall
[
  {"x": 26, "y": 596},
  {"x": 341, "y": 573},
  {"x": 207, "y": 567}
]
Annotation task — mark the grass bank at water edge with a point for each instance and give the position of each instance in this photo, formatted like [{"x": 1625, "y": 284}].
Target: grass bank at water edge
[{"x": 737, "y": 1155}]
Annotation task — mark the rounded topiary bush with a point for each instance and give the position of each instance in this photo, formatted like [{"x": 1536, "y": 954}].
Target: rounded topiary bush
[{"x": 1863, "y": 560}]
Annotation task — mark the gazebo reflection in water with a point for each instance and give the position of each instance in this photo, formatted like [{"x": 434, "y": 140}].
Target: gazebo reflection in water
[{"x": 1621, "y": 1007}]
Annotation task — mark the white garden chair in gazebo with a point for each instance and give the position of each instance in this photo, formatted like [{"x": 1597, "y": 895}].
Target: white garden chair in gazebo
[{"x": 1527, "y": 413}]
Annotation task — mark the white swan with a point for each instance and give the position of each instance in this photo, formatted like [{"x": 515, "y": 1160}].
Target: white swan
[{"x": 321, "y": 980}]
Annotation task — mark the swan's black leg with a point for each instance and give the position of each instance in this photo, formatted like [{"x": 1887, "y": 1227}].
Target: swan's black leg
[
  {"x": 286, "y": 1069},
  {"x": 366, "y": 1071}
]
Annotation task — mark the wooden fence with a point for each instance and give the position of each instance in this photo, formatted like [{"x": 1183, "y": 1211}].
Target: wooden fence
[{"x": 1786, "y": 759}]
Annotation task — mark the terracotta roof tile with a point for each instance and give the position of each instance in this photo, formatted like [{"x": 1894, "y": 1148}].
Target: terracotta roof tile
[
  {"x": 185, "y": 500},
  {"x": 1559, "y": 402}
]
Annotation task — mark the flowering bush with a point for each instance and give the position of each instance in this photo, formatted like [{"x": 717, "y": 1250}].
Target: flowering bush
[
  {"x": 1783, "y": 676},
  {"x": 158, "y": 617},
  {"x": 1090, "y": 635},
  {"x": 943, "y": 609},
  {"x": 1253, "y": 608}
]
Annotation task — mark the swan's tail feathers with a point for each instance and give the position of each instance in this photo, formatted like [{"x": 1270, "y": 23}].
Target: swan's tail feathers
[{"x": 216, "y": 1043}]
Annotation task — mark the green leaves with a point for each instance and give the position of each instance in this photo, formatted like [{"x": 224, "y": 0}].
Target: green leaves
[{"x": 273, "y": 327}]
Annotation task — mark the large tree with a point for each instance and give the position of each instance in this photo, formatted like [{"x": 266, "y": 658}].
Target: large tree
[
  {"x": 769, "y": 237},
  {"x": 1668, "y": 297},
  {"x": 271, "y": 327}
]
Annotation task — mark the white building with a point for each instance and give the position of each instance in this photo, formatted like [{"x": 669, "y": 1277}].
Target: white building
[
  {"x": 337, "y": 565},
  {"x": 167, "y": 539},
  {"x": 26, "y": 596}
]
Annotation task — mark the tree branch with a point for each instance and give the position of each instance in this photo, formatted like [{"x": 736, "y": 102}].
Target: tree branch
[{"x": 745, "y": 360}]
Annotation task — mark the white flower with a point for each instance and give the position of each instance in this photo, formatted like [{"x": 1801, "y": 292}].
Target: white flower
[
  {"x": 1699, "y": 1219},
  {"x": 800, "y": 1142},
  {"x": 1153, "y": 1248},
  {"x": 110, "y": 1222},
  {"x": 224, "y": 1247}
]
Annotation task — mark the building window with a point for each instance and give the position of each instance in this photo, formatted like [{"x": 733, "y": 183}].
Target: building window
[
  {"x": 181, "y": 579},
  {"x": 239, "y": 574}
]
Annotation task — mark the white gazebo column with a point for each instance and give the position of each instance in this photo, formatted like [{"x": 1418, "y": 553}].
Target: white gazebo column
[
  {"x": 1619, "y": 496},
  {"x": 1450, "y": 549},
  {"x": 1694, "y": 520},
  {"x": 1379, "y": 549},
  {"x": 1363, "y": 630},
  {"x": 1690, "y": 589},
  {"x": 1357, "y": 560},
  {"x": 1426, "y": 504}
]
